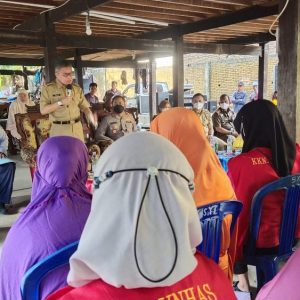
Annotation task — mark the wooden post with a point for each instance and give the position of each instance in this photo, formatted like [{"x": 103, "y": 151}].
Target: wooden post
[
  {"x": 50, "y": 55},
  {"x": 78, "y": 66},
  {"x": 137, "y": 85},
  {"x": 263, "y": 71},
  {"x": 152, "y": 88},
  {"x": 178, "y": 73},
  {"x": 289, "y": 67}
]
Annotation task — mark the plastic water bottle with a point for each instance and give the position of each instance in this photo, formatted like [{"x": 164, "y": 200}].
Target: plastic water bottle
[
  {"x": 229, "y": 144},
  {"x": 213, "y": 143}
]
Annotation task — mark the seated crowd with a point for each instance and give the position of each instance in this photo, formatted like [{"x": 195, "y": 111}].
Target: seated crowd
[{"x": 139, "y": 230}]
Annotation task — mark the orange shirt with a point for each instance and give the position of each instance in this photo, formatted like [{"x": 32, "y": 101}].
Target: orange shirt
[
  {"x": 249, "y": 172},
  {"x": 184, "y": 129},
  {"x": 206, "y": 282}
]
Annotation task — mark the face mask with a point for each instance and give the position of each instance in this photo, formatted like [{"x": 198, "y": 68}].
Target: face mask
[
  {"x": 118, "y": 108},
  {"x": 224, "y": 106},
  {"x": 198, "y": 105}
]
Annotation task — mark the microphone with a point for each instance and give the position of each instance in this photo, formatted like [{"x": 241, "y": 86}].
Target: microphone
[{"x": 69, "y": 91}]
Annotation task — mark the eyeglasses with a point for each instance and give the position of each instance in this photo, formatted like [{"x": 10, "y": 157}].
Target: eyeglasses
[{"x": 66, "y": 75}]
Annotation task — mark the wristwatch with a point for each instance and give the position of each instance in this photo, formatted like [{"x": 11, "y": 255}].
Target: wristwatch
[{"x": 59, "y": 103}]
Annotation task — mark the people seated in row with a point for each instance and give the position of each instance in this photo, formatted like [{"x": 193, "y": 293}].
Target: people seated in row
[
  {"x": 7, "y": 173},
  {"x": 93, "y": 99},
  {"x": 55, "y": 216},
  {"x": 184, "y": 129},
  {"x": 203, "y": 114},
  {"x": 117, "y": 124},
  {"x": 145, "y": 249},
  {"x": 17, "y": 107},
  {"x": 164, "y": 105},
  {"x": 91, "y": 96},
  {"x": 223, "y": 119},
  {"x": 268, "y": 154}
]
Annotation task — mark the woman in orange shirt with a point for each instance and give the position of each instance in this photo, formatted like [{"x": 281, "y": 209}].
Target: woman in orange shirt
[{"x": 184, "y": 129}]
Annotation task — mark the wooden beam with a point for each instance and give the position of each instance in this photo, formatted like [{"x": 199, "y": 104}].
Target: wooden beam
[
  {"x": 246, "y": 14},
  {"x": 16, "y": 72},
  {"x": 250, "y": 39},
  {"x": 22, "y": 38},
  {"x": 67, "y": 10},
  {"x": 108, "y": 64},
  {"x": 93, "y": 42},
  {"x": 289, "y": 67},
  {"x": 221, "y": 49},
  {"x": 8, "y": 61}
]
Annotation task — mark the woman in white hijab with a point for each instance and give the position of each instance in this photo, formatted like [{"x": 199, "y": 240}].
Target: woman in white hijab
[
  {"x": 17, "y": 107},
  {"x": 140, "y": 238}
]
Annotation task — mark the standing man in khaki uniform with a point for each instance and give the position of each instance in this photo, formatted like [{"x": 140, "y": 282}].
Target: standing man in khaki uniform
[
  {"x": 64, "y": 105},
  {"x": 116, "y": 124}
]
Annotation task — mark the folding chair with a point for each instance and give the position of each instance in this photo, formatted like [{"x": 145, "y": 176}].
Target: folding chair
[
  {"x": 267, "y": 266},
  {"x": 30, "y": 284},
  {"x": 211, "y": 218}
]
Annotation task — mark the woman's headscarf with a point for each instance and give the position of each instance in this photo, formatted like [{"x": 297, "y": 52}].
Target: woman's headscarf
[
  {"x": 55, "y": 217},
  {"x": 183, "y": 128},
  {"x": 143, "y": 226},
  {"x": 261, "y": 125},
  {"x": 17, "y": 107}
]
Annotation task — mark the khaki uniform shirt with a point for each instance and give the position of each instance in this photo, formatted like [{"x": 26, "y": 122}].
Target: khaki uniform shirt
[
  {"x": 54, "y": 92},
  {"x": 206, "y": 120},
  {"x": 115, "y": 126},
  {"x": 224, "y": 119}
]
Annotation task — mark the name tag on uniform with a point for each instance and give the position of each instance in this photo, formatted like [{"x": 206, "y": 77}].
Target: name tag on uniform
[{"x": 56, "y": 95}]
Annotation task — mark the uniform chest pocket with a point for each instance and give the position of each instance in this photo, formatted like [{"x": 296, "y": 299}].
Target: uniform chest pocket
[
  {"x": 114, "y": 127},
  {"x": 128, "y": 126},
  {"x": 55, "y": 98}
]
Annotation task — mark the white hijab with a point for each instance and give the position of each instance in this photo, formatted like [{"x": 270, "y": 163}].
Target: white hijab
[
  {"x": 17, "y": 107},
  {"x": 107, "y": 249}
]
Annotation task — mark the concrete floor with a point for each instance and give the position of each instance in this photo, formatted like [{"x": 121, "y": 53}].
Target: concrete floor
[{"x": 20, "y": 196}]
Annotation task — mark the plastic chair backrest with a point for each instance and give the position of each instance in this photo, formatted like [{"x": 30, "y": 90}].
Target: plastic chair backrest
[
  {"x": 30, "y": 284},
  {"x": 211, "y": 218},
  {"x": 291, "y": 185}
]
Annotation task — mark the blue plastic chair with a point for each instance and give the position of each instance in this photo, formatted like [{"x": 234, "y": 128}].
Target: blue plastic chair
[
  {"x": 211, "y": 218},
  {"x": 267, "y": 266},
  {"x": 30, "y": 284}
]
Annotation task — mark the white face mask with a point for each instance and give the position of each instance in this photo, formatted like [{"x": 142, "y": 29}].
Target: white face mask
[
  {"x": 224, "y": 106},
  {"x": 198, "y": 105}
]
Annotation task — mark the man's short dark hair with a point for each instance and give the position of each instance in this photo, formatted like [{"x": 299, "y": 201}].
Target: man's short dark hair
[
  {"x": 117, "y": 97},
  {"x": 197, "y": 95},
  {"x": 62, "y": 64},
  {"x": 113, "y": 82},
  {"x": 93, "y": 84}
]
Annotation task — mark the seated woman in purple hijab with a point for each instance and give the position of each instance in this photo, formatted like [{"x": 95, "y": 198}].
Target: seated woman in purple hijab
[{"x": 55, "y": 217}]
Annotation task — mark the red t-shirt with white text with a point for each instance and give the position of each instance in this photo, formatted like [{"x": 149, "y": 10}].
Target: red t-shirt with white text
[
  {"x": 206, "y": 282},
  {"x": 248, "y": 173}
]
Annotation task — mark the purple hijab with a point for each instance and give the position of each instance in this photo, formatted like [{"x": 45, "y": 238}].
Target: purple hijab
[{"x": 55, "y": 217}]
